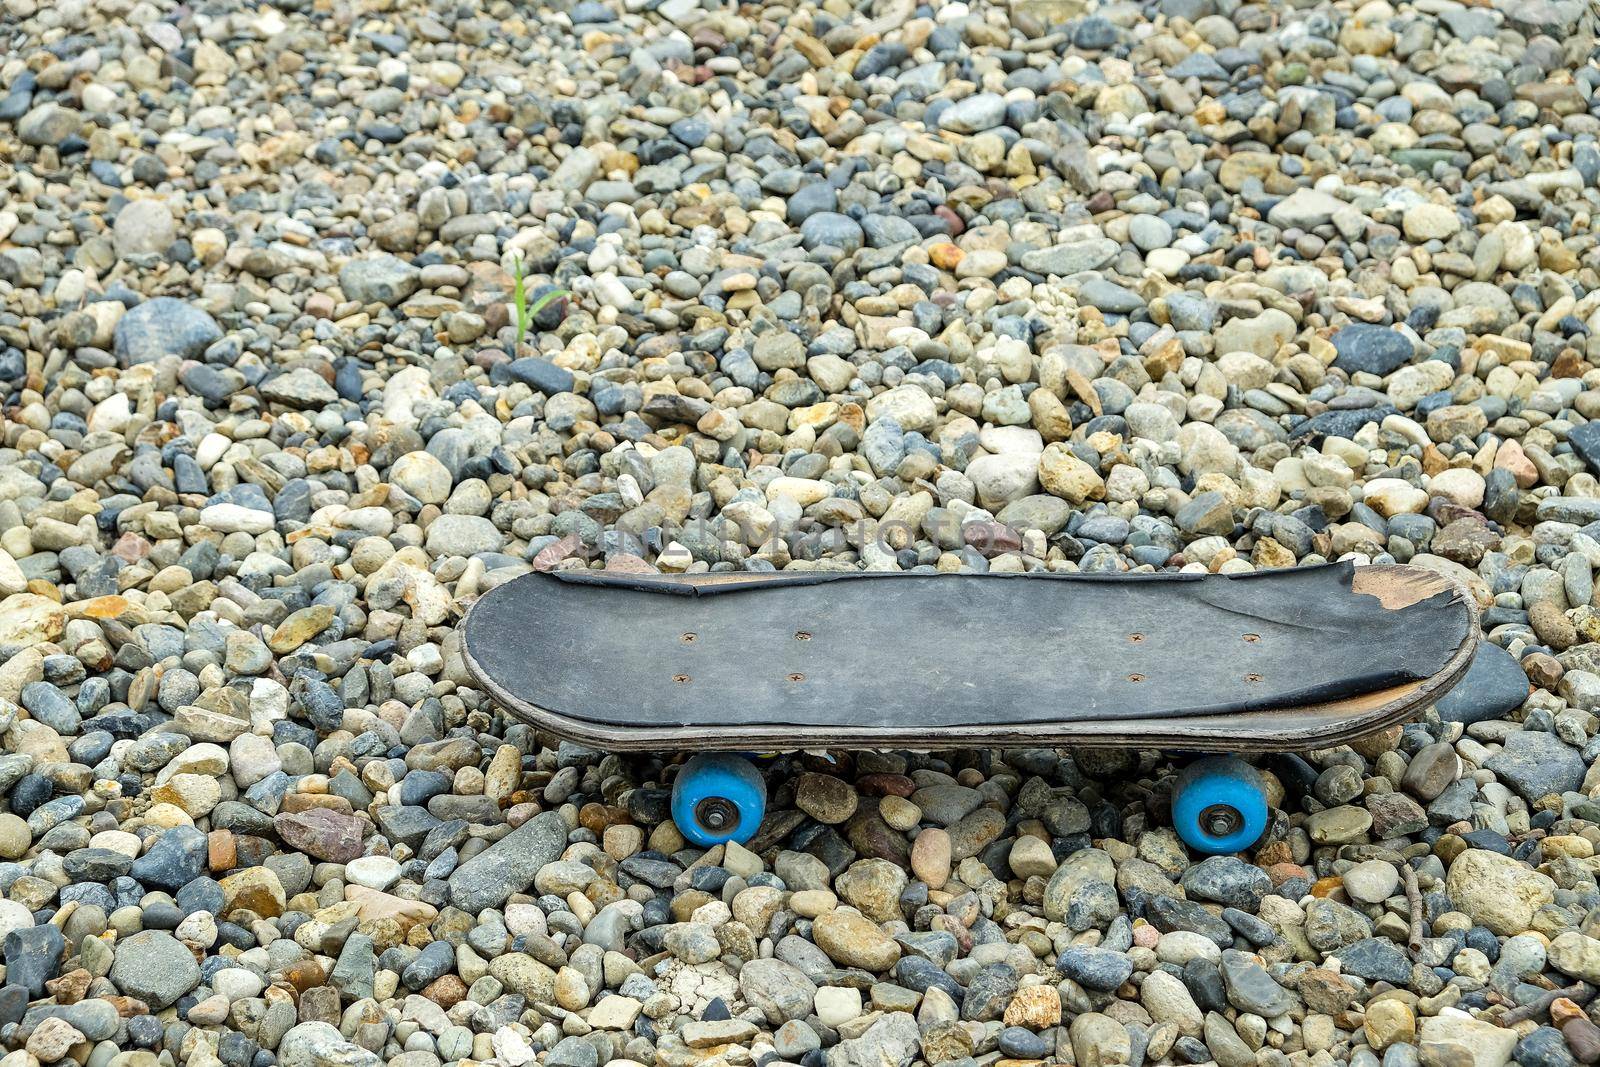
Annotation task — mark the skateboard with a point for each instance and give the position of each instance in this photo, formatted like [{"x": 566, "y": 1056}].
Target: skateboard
[{"x": 726, "y": 663}]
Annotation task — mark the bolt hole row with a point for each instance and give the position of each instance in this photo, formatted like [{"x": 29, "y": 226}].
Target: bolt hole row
[
  {"x": 799, "y": 635},
  {"x": 1139, "y": 639},
  {"x": 684, "y": 679},
  {"x": 1252, "y": 677}
]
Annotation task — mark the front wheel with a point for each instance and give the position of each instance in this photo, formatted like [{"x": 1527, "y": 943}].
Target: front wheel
[
  {"x": 718, "y": 797},
  {"x": 1219, "y": 805}
]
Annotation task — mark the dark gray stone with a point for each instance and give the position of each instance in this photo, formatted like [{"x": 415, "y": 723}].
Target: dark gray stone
[
  {"x": 812, "y": 197},
  {"x": 1340, "y": 422},
  {"x": 1494, "y": 686},
  {"x": 1538, "y": 764},
  {"x": 1227, "y": 880},
  {"x": 834, "y": 230},
  {"x": 176, "y": 859},
  {"x": 161, "y": 327},
  {"x": 1251, "y": 988},
  {"x": 540, "y": 375},
  {"x": 1373, "y": 349},
  {"x": 508, "y": 865},
  {"x": 1585, "y": 441},
  {"x": 1377, "y": 959},
  {"x": 990, "y": 990},
  {"x": 33, "y": 957},
  {"x": 1095, "y": 968}
]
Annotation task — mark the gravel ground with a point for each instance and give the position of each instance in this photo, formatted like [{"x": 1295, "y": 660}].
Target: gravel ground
[{"x": 1174, "y": 284}]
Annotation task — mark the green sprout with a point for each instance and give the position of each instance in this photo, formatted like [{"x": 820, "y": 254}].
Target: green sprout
[
  {"x": 527, "y": 312},
  {"x": 524, "y": 316}
]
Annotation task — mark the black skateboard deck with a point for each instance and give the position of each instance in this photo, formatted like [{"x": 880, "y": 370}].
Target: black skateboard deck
[{"x": 1291, "y": 659}]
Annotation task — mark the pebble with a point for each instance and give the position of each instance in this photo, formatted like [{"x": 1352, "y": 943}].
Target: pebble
[
  {"x": 1497, "y": 891},
  {"x": 1538, "y": 764},
  {"x": 1371, "y": 882},
  {"x": 163, "y": 326},
  {"x": 155, "y": 967},
  {"x": 1493, "y": 687}
]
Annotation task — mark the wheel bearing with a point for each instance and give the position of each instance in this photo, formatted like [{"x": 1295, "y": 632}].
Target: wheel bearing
[
  {"x": 1220, "y": 820},
  {"x": 717, "y": 815}
]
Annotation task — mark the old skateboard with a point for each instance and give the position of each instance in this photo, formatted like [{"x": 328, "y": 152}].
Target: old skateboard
[{"x": 723, "y": 663}]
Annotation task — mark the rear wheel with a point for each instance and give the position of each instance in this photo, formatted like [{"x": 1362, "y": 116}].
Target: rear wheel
[
  {"x": 1219, "y": 805},
  {"x": 718, "y": 797}
]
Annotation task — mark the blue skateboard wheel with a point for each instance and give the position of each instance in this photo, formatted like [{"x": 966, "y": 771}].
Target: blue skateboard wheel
[
  {"x": 717, "y": 797},
  {"x": 1219, "y": 805}
]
